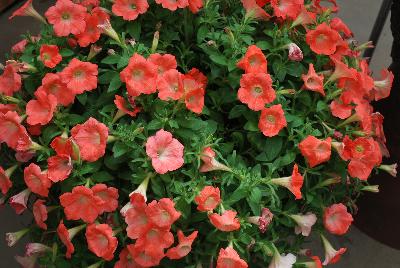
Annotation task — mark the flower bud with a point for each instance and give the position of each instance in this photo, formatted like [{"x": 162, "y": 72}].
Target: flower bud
[
  {"x": 13, "y": 238},
  {"x": 295, "y": 53}
]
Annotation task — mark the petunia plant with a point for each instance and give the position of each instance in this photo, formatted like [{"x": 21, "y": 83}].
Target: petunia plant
[{"x": 187, "y": 133}]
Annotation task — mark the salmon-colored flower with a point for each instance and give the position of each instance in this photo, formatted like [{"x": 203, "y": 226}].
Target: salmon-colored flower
[
  {"x": 82, "y": 204},
  {"x": 332, "y": 256},
  {"x": 59, "y": 167},
  {"x": 19, "y": 47},
  {"x": 256, "y": 90},
  {"x": 342, "y": 106},
  {"x": 338, "y": 25},
  {"x": 101, "y": 241},
  {"x": 80, "y": 76},
  {"x": 10, "y": 81},
  {"x": 304, "y": 18},
  {"x": 162, "y": 213},
  {"x": 123, "y": 106},
  {"x": 91, "y": 138},
  {"x": 254, "y": 61},
  {"x": 336, "y": 219},
  {"x": 147, "y": 255},
  {"x": 155, "y": 237},
  {"x": 36, "y": 180},
  {"x": 272, "y": 120},
  {"x": 173, "y": 5},
  {"x": 136, "y": 218},
  {"x": 41, "y": 110},
  {"x": 91, "y": 33},
  {"x": 52, "y": 84},
  {"x": 208, "y": 199},
  {"x": 313, "y": 81},
  {"x": 13, "y": 133},
  {"x": 140, "y": 76},
  {"x": 198, "y": 76},
  {"x": 315, "y": 151},
  {"x": 227, "y": 222},
  {"x": 229, "y": 258},
  {"x": 65, "y": 146},
  {"x": 166, "y": 153},
  {"x": 164, "y": 62},
  {"x": 254, "y": 10},
  {"x": 195, "y": 5},
  {"x": 364, "y": 154},
  {"x": 50, "y": 55},
  {"x": 292, "y": 183},
  {"x": 323, "y": 39},
  {"x": 342, "y": 71},
  {"x": 109, "y": 195},
  {"x": 194, "y": 100},
  {"x": 184, "y": 246},
  {"x": 170, "y": 85},
  {"x": 19, "y": 201},
  {"x": 126, "y": 259},
  {"x": 39, "y": 210},
  {"x": 209, "y": 161},
  {"x": 129, "y": 9},
  {"x": 66, "y": 18},
  {"x": 27, "y": 9},
  {"x": 66, "y": 235},
  {"x": 382, "y": 88},
  {"x": 287, "y": 8},
  {"x": 4, "y": 108},
  {"x": 5, "y": 182}
]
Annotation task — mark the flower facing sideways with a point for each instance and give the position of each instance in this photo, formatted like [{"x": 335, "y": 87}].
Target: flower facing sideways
[
  {"x": 229, "y": 258},
  {"x": 208, "y": 199},
  {"x": 183, "y": 248},
  {"x": 336, "y": 219},
  {"x": 101, "y": 240},
  {"x": 227, "y": 222}
]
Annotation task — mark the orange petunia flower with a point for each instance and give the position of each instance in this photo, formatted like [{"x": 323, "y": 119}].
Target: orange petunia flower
[
  {"x": 147, "y": 255},
  {"x": 336, "y": 219},
  {"x": 313, "y": 81},
  {"x": 170, "y": 85},
  {"x": 125, "y": 108},
  {"x": 10, "y": 81},
  {"x": 91, "y": 138},
  {"x": 41, "y": 110},
  {"x": 129, "y": 9},
  {"x": 64, "y": 235},
  {"x": 183, "y": 248},
  {"x": 140, "y": 76},
  {"x": 50, "y": 55},
  {"x": 101, "y": 241},
  {"x": 36, "y": 180},
  {"x": 173, "y": 5},
  {"x": 66, "y": 18},
  {"x": 195, "y": 5},
  {"x": 208, "y": 199},
  {"x": 136, "y": 217},
  {"x": 227, "y": 222},
  {"x": 109, "y": 195},
  {"x": 39, "y": 210},
  {"x": 91, "y": 33},
  {"x": 82, "y": 204},
  {"x": 256, "y": 90},
  {"x": 162, "y": 213},
  {"x": 13, "y": 133},
  {"x": 287, "y": 8},
  {"x": 292, "y": 183},
  {"x": 315, "y": 151},
  {"x": 254, "y": 10},
  {"x": 52, "y": 84},
  {"x": 272, "y": 120},
  {"x": 80, "y": 76},
  {"x": 323, "y": 39},
  {"x": 229, "y": 258},
  {"x": 5, "y": 182},
  {"x": 59, "y": 167},
  {"x": 382, "y": 87},
  {"x": 254, "y": 61}
]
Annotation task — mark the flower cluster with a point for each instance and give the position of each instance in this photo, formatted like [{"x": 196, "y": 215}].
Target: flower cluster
[{"x": 187, "y": 133}]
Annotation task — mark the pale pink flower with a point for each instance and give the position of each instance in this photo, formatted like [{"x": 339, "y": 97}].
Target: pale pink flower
[
  {"x": 304, "y": 223},
  {"x": 166, "y": 153}
]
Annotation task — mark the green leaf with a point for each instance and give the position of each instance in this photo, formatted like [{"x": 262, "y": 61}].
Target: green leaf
[
  {"x": 273, "y": 147},
  {"x": 119, "y": 149},
  {"x": 219, "y": 59},
  {"x": 111, "y": 59},
  {"x": 254, "y": 200},
  {"x": 102, "y": 176},
  {"x": 279, "y": 69},
  {"x": 155, "y": 124},
  {"x": 251, "y": 126},
  {"x": 65, "y": 52},
  {"x": 115, "y": 83},
  {"x": 134, "y": 29},
  {"x": 237, "y": 111},
  {"x": 237, "y": 195}
]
